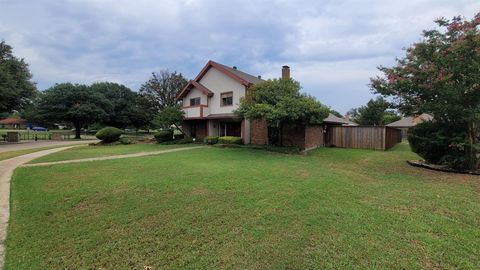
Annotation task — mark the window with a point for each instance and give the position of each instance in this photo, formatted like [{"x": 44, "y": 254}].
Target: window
[
  {"x": 226, "y": 99},
  {"x": 195, "y": 101}
]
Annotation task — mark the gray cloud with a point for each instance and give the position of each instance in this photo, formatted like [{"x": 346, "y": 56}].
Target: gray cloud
[{"x": 333, "y": 47}]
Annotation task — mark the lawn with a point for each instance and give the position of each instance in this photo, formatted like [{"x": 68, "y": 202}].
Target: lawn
[
  {"x": 102, "y": 151},
  {"x": 245, "y": 209}
]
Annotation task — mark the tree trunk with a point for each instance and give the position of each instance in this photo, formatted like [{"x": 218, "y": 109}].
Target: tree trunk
[
  {"x": 472, "y": 155},
  {"x": 78, "y": 129},
  {"x": 181, "y": 130}
]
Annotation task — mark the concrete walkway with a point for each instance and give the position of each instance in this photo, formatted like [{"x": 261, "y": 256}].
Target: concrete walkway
[
  {"x": 139, "y": 154},
  {"x": 6, "y": 170}
]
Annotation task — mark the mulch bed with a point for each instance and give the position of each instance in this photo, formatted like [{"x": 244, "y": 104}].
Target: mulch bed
[{"x": 441, "y": 168}]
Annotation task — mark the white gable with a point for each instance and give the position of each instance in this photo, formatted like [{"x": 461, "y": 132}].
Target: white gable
[{"x": 218, "y": 83}]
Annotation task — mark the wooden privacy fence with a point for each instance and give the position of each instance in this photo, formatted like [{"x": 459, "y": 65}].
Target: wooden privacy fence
[{"x": 365, "y": 137}]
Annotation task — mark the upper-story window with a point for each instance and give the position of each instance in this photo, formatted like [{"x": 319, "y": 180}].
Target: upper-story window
[
  {"x": 226, "y": 99},
  {"x": 195, "y": 101}
]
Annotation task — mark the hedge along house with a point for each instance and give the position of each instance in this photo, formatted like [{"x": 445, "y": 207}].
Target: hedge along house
[{"x": 210, "y": 100}]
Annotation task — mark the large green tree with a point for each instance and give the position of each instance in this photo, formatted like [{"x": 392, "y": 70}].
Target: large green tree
[
  {"x": 16, "y": 87},
  {"x": 280, "y": 102},
  {"x": 162, "y": 88},
  {"x": 440, "y": 75},
  {"x": 74, "y": 103},
  {"x": 123, "y": 111},
  {"x": 375, "y": 113}
]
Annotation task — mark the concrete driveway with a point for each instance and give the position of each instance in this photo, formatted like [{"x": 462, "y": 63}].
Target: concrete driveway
[{"x": 7, "y": 147}]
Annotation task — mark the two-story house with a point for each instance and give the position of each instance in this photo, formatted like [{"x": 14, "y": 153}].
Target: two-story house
[{"x": 211, "y": 98}]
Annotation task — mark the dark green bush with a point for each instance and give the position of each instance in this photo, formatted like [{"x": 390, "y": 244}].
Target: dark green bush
[
  {"x": 127, "y": 140},
  {"x": 179, "y": 136},
  {"x": 164, "y": 136},
  {"x": 230, "y": 140},
  {"x": 185, "y": 140},
  {"x": 210, "y": 140},
  {"x": 444, "y": 144},
  {"x": 109, "y": 134}
]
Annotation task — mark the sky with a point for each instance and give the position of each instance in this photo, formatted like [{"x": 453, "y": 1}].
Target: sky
[{"x": 332, "y": 47}]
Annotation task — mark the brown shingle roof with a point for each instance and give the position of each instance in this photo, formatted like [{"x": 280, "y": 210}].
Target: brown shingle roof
[
  {"x": 245, "y": 76},
  {"x": 411, "y": 121},
  {"x": 9, "y": 121}
]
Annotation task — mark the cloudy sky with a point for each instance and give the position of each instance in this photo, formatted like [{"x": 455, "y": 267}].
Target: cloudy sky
[{"x": 333, "y": 47}]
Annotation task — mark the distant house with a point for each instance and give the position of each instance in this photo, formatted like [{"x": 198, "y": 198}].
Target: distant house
[
  {"x": 407, "y": 122},
  {"x": 13, "y": 123},
  {"x": 335, "y": 120}
]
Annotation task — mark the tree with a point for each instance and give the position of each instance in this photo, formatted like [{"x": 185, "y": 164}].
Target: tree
[
  {"x": 123, "y": 111},
  {"x": 337, "y": 114},
  {"x": 171, "y": 115},
  {"x": 374, "y": 113},
  {"x": 390, "y": 117},
  {"x": 280, "y": 102},
  {"x": 75, "y": 103},
  {"x": 144, "y": 113},
  {"x": 16, "y": 87},
  {"x": 162, "y": 88},
  {"x": 440, "y": 75}
]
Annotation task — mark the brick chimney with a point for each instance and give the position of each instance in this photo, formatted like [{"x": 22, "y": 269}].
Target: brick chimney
[{"x": 285, "y": 72}]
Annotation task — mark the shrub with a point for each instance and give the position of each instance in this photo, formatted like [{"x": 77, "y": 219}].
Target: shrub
[
  {"x": 127, "y": 140},
  {"x": 164, "y": 136},
  {"x": 230, "y": 140},
  {"x": 443, "y": 144},
  {"x": 185, "y": 140},
  {"x": 179, "y": 136},
  {"x": 210, "y": 140},
  {"x": 109, "y": 134}
]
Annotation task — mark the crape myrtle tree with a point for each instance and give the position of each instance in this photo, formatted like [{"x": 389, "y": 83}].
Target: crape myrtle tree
[
  {"x": 16, "y": 87},
  {"x": 280, "y": 102},
  {"x": 74, "y": 103},
  {"x": 441, "y": 75}
]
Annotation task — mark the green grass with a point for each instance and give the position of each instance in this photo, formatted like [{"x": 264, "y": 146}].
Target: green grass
[
  {"x": 101, "y": 151},
  {"x": 238, "y": 208}
]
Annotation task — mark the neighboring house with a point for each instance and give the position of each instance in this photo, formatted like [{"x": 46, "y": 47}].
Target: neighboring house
[
  {"x": 335, "y": 120},
  {"x": 211, "y": 98},
  {"x": 407, "y": 122},
  {"x": 13, "y": 123}
]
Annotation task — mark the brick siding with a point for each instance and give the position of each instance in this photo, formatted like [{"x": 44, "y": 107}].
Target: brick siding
[{"x": 258, "y": 132}]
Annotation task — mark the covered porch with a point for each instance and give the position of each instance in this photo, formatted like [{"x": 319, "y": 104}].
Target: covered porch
[{"x": 217, "y": 126}]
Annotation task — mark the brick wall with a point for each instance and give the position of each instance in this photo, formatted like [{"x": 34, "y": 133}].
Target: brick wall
[
  {"x": 258, "y": 132},
  {"x": 304, "y": 137},
  {"x": 293, "y": 135},
  {"x": 313, "y": 136}
]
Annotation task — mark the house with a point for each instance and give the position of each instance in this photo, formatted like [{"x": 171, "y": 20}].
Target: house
[
  {"x": 335, "y": 120},
  {"x": 407, "y": 122},
  {"x": 13, "y": 123},
  {"x": 210, "y": 99},
  {"x": 209, "y": 102}
]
